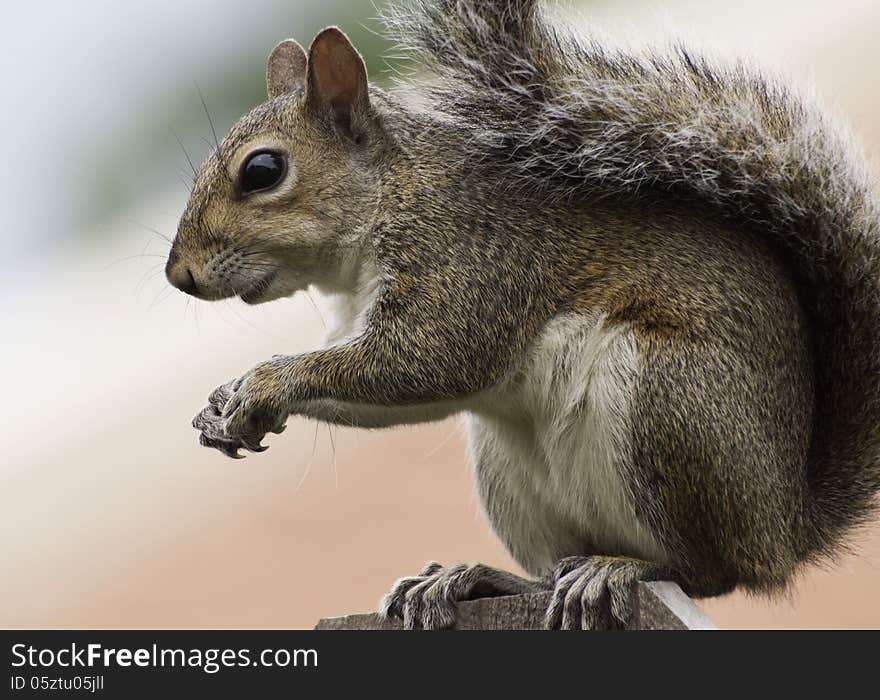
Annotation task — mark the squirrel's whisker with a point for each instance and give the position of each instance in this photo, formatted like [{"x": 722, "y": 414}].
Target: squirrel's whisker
[
  {"x": 195, "y": 173},
  {"x": 210, "y": 120}
]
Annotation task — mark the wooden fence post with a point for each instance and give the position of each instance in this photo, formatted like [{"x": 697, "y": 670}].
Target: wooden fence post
[{"x": 656, "y": 605}]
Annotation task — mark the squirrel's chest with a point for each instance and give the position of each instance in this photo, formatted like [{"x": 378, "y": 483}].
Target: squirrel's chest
[{"x": 550, "y": 448}]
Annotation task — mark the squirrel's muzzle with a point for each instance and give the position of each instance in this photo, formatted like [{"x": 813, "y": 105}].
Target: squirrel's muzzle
[{"x": 180, "y": 276}]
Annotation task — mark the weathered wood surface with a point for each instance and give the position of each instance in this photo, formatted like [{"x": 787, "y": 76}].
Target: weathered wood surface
[{"x": 657, "y": 605}]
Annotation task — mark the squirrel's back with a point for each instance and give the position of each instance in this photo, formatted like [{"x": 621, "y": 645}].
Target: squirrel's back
[{"x": 564, "y": 118}]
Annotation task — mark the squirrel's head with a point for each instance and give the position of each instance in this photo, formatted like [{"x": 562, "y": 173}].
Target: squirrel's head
[{"x": 284, "y": 200}]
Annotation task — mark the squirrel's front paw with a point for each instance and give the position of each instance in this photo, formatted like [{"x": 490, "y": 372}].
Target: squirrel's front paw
[{"x": 242, "y": 411}]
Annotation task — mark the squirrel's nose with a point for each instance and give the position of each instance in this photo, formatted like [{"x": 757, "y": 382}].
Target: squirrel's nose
[{"x": 181, "y": 277}]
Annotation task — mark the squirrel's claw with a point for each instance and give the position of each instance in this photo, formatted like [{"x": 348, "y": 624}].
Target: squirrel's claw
[
  {"x": 253, "y": 445},
  {"x": 227, "y": 447}
]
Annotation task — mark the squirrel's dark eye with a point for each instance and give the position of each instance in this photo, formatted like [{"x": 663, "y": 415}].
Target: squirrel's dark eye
[{"x": 262, "y": 171}]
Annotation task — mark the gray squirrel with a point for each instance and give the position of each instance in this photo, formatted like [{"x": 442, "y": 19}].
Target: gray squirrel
[{"x": 652, "y": 284}]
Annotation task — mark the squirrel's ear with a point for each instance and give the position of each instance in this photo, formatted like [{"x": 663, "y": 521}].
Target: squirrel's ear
[
  {"x": 286, "y": 68},
  {"x": 337, "y": 80}
]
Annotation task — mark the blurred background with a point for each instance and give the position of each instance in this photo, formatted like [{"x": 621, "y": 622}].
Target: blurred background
[{"x": 111, "y": 514}]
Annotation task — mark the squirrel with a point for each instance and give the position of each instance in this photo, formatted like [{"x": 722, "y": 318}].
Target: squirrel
[{"x": 649, "y": 280}]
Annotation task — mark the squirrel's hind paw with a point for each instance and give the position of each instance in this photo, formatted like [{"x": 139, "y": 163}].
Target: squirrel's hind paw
[
  {"x": 594, "y": 593},
  {"x": 428, "y": 600}
]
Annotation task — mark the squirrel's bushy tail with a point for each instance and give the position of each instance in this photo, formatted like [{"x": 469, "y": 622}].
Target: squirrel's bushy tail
[{"x": 564, "y": 116}]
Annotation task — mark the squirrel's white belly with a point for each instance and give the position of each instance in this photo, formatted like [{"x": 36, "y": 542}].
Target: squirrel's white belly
[{"x": 548, "y": 448}]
